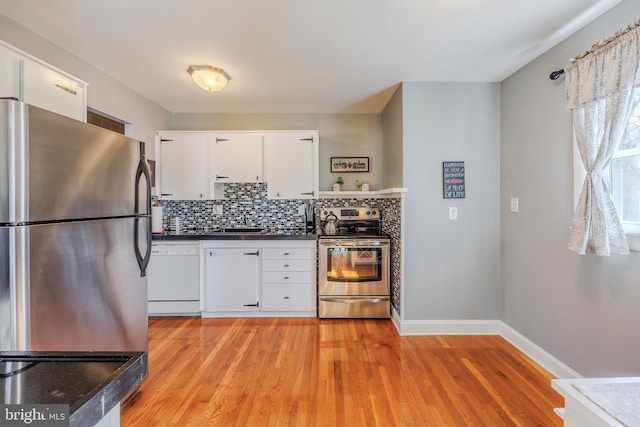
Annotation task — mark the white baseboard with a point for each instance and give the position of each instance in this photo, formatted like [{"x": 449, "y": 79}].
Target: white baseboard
[
  {"x": 449, "y": 327},
  {"x": 485, "y": 327},
  {"x": 554, "y": 366}
]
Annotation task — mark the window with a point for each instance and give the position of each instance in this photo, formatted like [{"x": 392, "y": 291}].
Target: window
[{"x": 624, "y": 174}]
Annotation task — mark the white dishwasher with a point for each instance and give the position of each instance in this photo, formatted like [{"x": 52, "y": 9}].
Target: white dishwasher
[{"x": 174, "y": 279}]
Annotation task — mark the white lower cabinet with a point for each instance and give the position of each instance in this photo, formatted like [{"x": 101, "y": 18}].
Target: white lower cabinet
[
  {"x": 260, "y": 278},
  {"x": 232, "y": 276},
  {"x": 287, "y": 279},
  {"x": 286, "y": 297}
]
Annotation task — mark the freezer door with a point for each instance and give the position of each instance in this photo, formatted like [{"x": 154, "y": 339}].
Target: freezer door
[
  {"x": 82, "y": 287},
  {"x": 53, "y": 168}
]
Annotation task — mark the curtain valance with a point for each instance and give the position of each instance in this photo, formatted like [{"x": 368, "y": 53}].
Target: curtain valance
[{"x": 609, "y": 67}]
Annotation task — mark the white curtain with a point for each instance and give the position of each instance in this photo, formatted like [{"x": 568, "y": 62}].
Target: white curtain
[{"x": 599, "y": 89}]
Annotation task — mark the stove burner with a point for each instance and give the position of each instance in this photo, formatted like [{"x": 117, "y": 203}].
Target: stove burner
[{"x": 354, "y": 222}]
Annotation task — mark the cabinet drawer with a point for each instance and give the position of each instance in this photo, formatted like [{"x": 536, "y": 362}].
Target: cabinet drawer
[
  {"x": 287, "y": 277},
  {"x": 286, "y": 265},
  {"x": 287, "y": 253},
  {"x": 286, "y": 297}
]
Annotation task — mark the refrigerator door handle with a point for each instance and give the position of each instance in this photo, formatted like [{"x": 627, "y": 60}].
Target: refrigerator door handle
[{"x": 143, "y": 259}]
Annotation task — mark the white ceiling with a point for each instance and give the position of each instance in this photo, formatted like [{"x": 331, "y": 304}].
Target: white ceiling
[{"x": 302, "y": 56}]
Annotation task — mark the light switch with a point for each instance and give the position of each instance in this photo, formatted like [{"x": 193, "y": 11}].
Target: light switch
[
  {"x": 453, "y": 213},
  {"x": 514, "y": 204},
  {"x": 216, "y": 209}
]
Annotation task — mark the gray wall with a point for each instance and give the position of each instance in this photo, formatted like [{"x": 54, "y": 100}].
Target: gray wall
[
  {"x": 584, "y": 310},
  {"x": 104, "y": 94},
  {"x": 392, "y": 141},
  {"x": 451, "y": 267},
  {"x": 340, "y": 135}
]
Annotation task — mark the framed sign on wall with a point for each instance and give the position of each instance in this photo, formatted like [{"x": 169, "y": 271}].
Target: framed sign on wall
[
  {"x": 349, "y": 164},
  {"x": 453, "y": 184}
]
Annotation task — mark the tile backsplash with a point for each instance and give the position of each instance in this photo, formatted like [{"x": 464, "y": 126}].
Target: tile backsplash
[{"x": 247, "y": 205}]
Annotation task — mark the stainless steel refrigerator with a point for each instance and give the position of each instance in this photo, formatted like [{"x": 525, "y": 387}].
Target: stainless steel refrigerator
[{"x": 75, "y": 234}]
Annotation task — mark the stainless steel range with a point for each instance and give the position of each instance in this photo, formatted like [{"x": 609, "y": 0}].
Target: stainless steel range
[{"x": 353, "y": 273}]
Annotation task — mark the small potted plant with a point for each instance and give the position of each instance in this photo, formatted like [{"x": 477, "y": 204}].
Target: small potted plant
[
  {"x": 362, "y": 186},
  {"x": 339, "y": 182}
]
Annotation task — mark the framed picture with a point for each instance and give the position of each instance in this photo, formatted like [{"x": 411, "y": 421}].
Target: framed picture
[
  {"x": 349, "y": 164},
  {"x": 453, "y": 182}
]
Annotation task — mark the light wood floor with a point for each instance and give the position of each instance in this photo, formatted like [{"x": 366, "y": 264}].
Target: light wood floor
[{"x": 311, "y": 372}]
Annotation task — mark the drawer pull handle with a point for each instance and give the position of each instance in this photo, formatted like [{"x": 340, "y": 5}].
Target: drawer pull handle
[
  {"x": 286, "y": 277},
  {"x": 286, "y": 297},
  {"x": 286, "y": 253},
  {"x": 286, "y": 265}
]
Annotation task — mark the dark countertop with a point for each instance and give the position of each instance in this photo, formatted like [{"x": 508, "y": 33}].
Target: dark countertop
[
  {"x": 231, "y": 235},
  {"x": 90, "y": 383}
]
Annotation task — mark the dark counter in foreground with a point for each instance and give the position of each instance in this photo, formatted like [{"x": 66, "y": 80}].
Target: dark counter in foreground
[{"x": 92, "y": 384}]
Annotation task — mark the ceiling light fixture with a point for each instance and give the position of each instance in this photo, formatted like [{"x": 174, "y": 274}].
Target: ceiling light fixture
[{"x": 209, "y": 78}]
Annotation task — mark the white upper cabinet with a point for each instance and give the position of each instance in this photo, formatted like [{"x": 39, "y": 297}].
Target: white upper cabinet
[
  {"x": 183, "y": 165},
  {"x": 291, "y": 164},
  {"x": 53, "y": 91},
  {"x": 10, "y": 63},
  {"x": 40, "y": 84},
  {"x": 195, "y": 165},
  {"x": 236, "y": 157}
]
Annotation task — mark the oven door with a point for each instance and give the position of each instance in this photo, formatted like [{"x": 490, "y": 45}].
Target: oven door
[{"x": 353, "y": 267}]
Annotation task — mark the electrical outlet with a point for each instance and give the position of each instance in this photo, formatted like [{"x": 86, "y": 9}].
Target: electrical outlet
[
  {"x": 453, "y": 213},
  {"x": 515, "y": 204},
  {"x": 301, "y": 210},
  {"x": 216, "y": 209}
]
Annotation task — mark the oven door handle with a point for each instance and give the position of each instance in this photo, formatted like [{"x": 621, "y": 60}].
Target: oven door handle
[
  {"x": 356, "y": 243},
  {"x": 356, "y": 300}
]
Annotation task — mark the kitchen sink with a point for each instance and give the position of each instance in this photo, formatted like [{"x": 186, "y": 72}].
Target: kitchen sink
[{"x": 240, "y": 230}]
